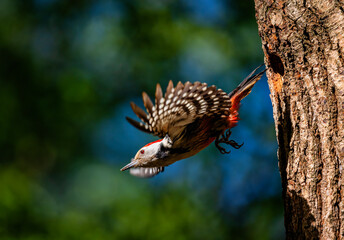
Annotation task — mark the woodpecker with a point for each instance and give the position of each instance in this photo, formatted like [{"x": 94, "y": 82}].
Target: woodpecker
[{"x": 187, "y": 118}]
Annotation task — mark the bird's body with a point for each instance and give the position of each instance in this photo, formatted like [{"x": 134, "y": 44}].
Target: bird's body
[{"x": 188, "y": 118}]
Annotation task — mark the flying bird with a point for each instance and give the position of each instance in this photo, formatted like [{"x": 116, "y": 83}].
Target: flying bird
[{"x": 187, "y": 119}]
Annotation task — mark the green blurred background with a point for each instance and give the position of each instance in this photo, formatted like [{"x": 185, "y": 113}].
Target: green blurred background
[{"x": 68, "y": 70}]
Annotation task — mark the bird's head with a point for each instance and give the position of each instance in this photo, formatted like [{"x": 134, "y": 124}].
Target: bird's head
[{"x": 146, "y": 161}]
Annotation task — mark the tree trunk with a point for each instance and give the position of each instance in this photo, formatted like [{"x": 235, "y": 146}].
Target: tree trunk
[{"x": 303, "y": 43}]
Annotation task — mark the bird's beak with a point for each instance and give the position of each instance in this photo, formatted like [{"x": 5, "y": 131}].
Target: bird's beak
[{"x": 129, "y": 165}]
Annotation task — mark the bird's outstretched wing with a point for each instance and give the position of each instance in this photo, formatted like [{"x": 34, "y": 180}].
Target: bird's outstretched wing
[
  {"x": 183, "y": 104},
  {"x": 180, "y": 106}
]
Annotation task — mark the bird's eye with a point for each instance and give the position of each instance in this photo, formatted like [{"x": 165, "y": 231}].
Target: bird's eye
[{"x": 142, "y": 151}]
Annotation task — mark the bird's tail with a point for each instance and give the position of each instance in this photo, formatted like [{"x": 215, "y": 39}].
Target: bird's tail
[{"x": 245, "y": 87}]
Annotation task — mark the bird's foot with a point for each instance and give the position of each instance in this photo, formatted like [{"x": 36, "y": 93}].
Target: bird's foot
[{"x": 224, "y": 138}]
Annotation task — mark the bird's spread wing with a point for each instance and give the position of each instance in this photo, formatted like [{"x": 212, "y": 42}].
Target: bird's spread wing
[{"x": 180, "y": 106}]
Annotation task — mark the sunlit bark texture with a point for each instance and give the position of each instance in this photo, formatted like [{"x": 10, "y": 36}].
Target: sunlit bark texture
[{"x": 303, "y": 43}]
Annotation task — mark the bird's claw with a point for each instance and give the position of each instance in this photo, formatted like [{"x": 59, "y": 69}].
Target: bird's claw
[{"x": 224, "y": 138}]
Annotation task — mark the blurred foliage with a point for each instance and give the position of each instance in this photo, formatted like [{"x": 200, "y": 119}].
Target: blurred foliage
[{"x": 68, "y": 70}]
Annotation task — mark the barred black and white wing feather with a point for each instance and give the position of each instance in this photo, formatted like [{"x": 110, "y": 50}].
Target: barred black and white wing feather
[{"x": 180, "y": 106}]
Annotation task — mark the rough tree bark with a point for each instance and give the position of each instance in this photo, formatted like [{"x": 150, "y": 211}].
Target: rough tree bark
[{"x": 303, "y": 43}]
